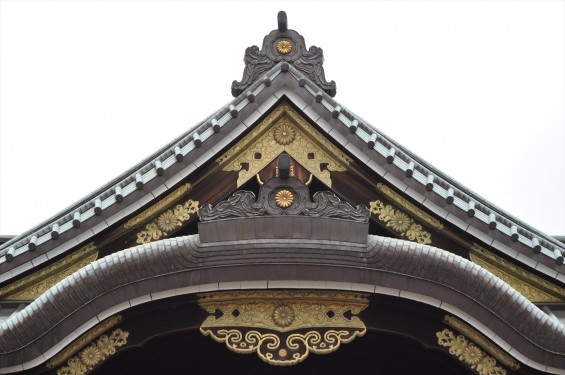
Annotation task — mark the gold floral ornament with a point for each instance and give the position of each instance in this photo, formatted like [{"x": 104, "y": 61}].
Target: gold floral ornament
[
  {"x": 283, "y": 315},
  {"x": 472, "y": 355},
  {"x": 399, "y": 222},
  {"x": 284, "y": 47},
  {"x": 167, "y": 222},
  {"x": 91, "y": 356},
  {"x": 467, "y": 352},
  {"x": 283, "y": 327},
  {"x": 284, "y": 134},
  {"x": 309, "y": 148},
  {"x": 94, "y": 354},
  {"x": 284, "y": 198}
]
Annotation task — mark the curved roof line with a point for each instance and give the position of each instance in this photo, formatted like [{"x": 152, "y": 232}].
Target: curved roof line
[
  {"x": 163, "y": 268},
  {"x": 407, "y": 172}
]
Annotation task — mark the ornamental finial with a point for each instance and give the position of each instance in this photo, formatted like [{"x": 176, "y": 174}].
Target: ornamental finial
[
  {"x": 285, "y": 45},
  {"x": 283, "y": 23}
]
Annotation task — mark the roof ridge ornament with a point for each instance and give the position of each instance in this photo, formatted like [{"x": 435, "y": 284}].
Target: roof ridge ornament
[
  {"x": 283, "y": 45},
  {"x": 281, "y": 196}
]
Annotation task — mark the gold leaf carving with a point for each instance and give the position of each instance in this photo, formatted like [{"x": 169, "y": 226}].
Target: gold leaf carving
[
  {"x": 95, "y": 353},
  {"x": 482, "y": 341},
  {"x": 530, "y": 286},
  {"x": 284, "y": 198},
  {"x": 84, "y": 340},
  {"x": 468, "y": 353},
  {"x": 284, "y": 47},
  {"x": 283, "y": 327},
  {"x": 167, "y": 222},
  {"x": 410, "y": 207},
  {"x": 284, "y": 130},
  {"x": 34, "y": 285},
  {"x": 400, "y": 223},
  {"x": 158, "y": 207}
]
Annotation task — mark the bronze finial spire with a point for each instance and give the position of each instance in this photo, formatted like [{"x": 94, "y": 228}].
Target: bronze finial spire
[
  {"x": 283, "y": 45},
  {"x": 283, "y": 23}
]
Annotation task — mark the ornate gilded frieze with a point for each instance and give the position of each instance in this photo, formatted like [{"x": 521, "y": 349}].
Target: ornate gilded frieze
[
  {"x": 284, "y": 130},
  {"x": 400, "y": 223},
  {"x": 482, "y": 341},
  {"x": 167, "y": 222},
  {"x": 34, "y": 285},
  {"x": 468, "y": 353},
  {"x": 83, "y": 340},
  {"x": 474, "y": 349},
  {"x": 283, "y": 327},
  {"x": 532, "y": 287},
  {"x": 158, "y": 207},
  {"x": 95, "y": 353},
  {"x": 414, "y": 210}
]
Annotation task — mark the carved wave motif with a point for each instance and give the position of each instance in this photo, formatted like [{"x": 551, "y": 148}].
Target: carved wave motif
[
  {"x": 244, "y": 204},
  {"x": 311, "y": 63},
  {"x": 256, "y": 63},
  {"x": 327, "y": 204},
  {"x": 241, "y": 204}
]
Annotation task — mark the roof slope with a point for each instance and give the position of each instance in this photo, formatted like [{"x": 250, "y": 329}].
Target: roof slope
[{"x": 184, "y": 155}]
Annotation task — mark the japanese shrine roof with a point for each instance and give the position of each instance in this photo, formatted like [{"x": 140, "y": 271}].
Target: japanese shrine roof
[{"x": 186, "y": 154}]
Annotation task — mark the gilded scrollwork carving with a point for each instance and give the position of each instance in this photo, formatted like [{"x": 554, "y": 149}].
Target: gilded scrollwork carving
[
  {"x": 158, "y": 207},
  {"x": 529, "y": 285},
  {"x": 83, "y": 340},
  {"x": 284, "y": 131},
  {"x": 404, "y": 203},
  {"x": 167, "y": 222},
  {"x": 95, "y": 353},
  {"x": 400, "y": 223},
  {"x": 468, "y": 353},
  {"x": 34, "y": 285},
  {"x": 283, "y": 327},
  {"x": 482, "y": 341}
]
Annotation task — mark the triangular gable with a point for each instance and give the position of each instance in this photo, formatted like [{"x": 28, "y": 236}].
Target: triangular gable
[
  {"x": 155, "y": 204},
  {"x": 164, "y": 171}
]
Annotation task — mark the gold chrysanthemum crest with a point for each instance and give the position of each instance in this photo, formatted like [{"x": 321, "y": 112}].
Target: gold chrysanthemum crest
[
  {"x": 284, "y": 134},
  {"x": 284, "y": 198},
  {"x": 284, "y": 47},
  {"x": 91, "y": 356},
  {"x": 283, "y": 315}
]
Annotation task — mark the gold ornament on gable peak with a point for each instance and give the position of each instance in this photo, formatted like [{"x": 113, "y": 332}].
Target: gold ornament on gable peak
[
  {"x": 284, "y": 47},
  {"x": 284, "y": 130}
]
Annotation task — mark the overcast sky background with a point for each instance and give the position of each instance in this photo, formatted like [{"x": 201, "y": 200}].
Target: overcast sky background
[{"x": 90, "y": 88}]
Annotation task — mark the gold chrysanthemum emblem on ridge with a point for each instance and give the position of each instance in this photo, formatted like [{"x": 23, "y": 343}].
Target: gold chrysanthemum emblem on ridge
[
  {"x": 284, "y": 134},
  {"x": 284, "y": 198},
  {"x": 284, "y": 47}
]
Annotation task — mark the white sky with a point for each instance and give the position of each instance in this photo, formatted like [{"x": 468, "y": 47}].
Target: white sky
[{"x": 90, "y": 88}]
